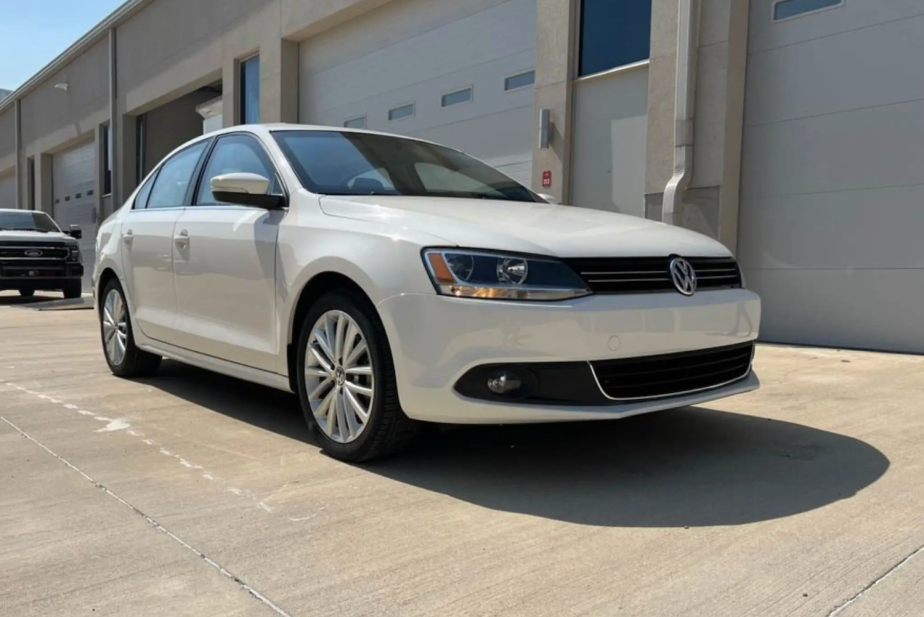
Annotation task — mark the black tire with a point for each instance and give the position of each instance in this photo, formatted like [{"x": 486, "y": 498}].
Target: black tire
[
  {"x": 72, "y": 290},
  {"x": 136, "y": 362},
  {"x": 26, "y": 293},
  {"x": 388, "y": 430}
]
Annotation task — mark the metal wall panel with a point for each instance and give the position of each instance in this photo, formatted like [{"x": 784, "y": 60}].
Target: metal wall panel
[
  {"x": 8, "y": 191},
  {"x": 832, "y": 195},
  {"x": 74, "y": 196},
  {"x": 415, "y": 51}
]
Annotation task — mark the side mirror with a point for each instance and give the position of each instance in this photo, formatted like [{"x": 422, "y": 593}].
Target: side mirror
[
  {"x": 245, "y": 189},
  {"x": 75, "y": 232},
  {"x": 550, "y": 199}
]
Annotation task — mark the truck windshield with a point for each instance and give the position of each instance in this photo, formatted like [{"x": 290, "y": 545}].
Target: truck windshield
[
  {"x": 26, "y": 221},
  {"x": 348, "y": 163}
]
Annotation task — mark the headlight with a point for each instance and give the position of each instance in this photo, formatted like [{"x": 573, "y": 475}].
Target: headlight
[
  {"x": 498, "y": 276},
  {"x": 73, "y": 253}
]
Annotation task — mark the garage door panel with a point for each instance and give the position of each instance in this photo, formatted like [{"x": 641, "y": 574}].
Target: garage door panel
[
  {"x": 8, "y": 191},
  {"x": 878, "y": 228},
  {"x": 852, "y": 15},
  {"x": 837, "y": 73},
  {"x": 73, "y": 178},
  {"x": 477, "y": 40},
  {"x": 397, "y": 22},
  {"x": 862, "y": 149},
  {"x": 868, "y": 309}
]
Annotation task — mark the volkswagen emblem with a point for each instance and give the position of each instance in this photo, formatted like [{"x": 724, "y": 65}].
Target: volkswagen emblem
[
  {"x": 683, "y": 275},
  {"x": 33, "y": 253}
]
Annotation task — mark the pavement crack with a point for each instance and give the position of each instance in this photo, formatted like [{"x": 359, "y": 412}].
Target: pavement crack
[
  {"x": 151, "y": 521},
  {"x": 892, "y": 570}
]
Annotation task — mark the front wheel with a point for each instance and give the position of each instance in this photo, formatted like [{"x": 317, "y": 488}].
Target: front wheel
[
  {"x": 346, "y": 380},
  {"x": 122, "y": 355}
]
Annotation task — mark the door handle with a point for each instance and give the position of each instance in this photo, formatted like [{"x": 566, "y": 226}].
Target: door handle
[
  {"x": 127, "y": 237},
  {"x": 181, "y": 239}
]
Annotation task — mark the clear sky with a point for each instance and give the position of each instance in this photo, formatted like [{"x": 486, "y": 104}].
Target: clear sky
[{"x": 34, "y": 32}]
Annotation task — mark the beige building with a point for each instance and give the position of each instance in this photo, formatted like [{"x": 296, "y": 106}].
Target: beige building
[{"x": 768, "y": 124}]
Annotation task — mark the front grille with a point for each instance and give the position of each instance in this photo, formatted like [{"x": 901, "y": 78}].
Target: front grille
[
  {"x": 673, "y": 374},
  {"x": 632, "y": 275},
  {"x": 48, "y": 250}
]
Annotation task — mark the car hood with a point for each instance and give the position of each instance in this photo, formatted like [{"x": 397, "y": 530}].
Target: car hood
[
  {"x": 562, "y": 231},
  {"x": 24, "y": 237}
]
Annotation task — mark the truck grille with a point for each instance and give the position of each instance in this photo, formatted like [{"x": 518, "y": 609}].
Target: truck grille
[
  {"x": 632, "y": 275},
  {"x": 34, "y": 251},
  {"x": 673, "y": 374}
]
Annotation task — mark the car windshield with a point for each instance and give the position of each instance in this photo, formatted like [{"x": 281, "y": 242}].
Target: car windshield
[
  {"x": 27, "y": 221},
  {"x": 348, "y": 163}
]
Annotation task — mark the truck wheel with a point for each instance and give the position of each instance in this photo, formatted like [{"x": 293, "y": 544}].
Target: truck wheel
[
  {"x": 73, "y": 290},
  {"x": 26, "y": 293}
]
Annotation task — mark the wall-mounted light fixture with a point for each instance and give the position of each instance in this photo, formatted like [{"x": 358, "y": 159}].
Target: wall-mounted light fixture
[
  {"x": 545, "y": 129},
  {"x": 61, "y": 86}
]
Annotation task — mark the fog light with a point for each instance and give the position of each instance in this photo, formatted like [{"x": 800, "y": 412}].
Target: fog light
[{"x": 504, "y": 382}]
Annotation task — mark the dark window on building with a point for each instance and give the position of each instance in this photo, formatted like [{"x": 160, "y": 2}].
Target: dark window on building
[
  {"x": 141, "y": 134},
  {"x": 90, "y": 193},
  {"x": 614, "y": 33},
  {"x": 107, "y": 158},
  {"x": 30, "y": 177},
  {"x": 250, "y": 90},
  {"x": 399, "y": 113},
  {"x": 790, "y": 8},
  {"x": 457, "y": 97}
]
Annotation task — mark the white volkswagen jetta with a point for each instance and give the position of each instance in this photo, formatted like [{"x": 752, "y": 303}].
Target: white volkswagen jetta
[{"x": 389, "y": 280}]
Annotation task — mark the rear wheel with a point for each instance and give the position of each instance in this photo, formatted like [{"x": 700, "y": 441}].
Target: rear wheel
[
  {"x": 122, "y": 355},
  {"x": 346, "y": 380},
  {"x": 26, "y": 293},
  {"x": 73, "y": 289}
]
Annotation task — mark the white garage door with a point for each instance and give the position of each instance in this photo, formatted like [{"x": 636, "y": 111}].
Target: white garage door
[
  {"x": 8, "y": 191},
  {"x": 415, "y": 53},
  {"x": 832, "y": 198},
  {"x": 73, "y": 176}
]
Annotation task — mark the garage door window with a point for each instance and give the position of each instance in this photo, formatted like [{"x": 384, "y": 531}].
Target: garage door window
[
  {"x": 457, "y": 97},
  {"x": 523, "y": 80},
  {"x": 614, "y": 34},
  {"x": 400, "y": 113},
  {"x": 174, "y": 177},
  {"x": 784, "y": 9}
]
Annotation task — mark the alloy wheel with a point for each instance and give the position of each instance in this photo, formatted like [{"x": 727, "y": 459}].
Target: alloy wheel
[
  {"x": 115, "y": 327},
  {"x": 339, "y": 376}
]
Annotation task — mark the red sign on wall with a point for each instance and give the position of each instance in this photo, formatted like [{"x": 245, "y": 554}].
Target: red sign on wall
[{"x": 546, "y": 179}]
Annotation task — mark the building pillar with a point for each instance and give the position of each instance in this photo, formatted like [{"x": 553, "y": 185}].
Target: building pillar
[
  {"x": 114, "y": 133},
  {"x": 20, "y": 166},
  {"x": 279, "y": 81},
  {"x": 710, "y": 204},
  {"x": 555, "y": 68},
  {"x": 43, "y": 186}
]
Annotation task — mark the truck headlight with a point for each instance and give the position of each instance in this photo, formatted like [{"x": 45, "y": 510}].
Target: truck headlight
[
  {"x": 73, "y": 254},
  {"x": 500, "y": 276}
]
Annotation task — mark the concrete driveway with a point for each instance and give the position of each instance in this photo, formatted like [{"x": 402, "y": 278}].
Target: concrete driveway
[{"x": 195, "y": 494}]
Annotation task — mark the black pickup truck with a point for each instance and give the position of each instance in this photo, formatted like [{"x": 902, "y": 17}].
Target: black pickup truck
[{"x": 35, "y": 255}]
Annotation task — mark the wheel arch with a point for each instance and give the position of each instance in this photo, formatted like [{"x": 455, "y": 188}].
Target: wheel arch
[{"x": 316, "y": 287}]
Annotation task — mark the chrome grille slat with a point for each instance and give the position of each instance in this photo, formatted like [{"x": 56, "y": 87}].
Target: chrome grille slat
[{"x": 634, "y": 275}]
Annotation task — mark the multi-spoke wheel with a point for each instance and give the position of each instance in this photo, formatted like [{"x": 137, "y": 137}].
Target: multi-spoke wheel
[
  {"x": 339, "y": 376},
  {"x": 115, "y": 327},
  {"x": 124, "y": 358},
  {"x": 346, "y": 380}
]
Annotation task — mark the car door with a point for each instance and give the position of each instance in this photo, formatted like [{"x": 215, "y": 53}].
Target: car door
[
  {"x": 225, "y": 266},
  {"x": 147, "y": 255}
]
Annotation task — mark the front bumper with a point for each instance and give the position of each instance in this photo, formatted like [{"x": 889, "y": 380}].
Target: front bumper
[
  {"x": 43, "y": 277},
  {"x": 435, "y": 340}
]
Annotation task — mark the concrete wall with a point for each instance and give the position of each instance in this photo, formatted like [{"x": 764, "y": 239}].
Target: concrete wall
[
  {"x": 710, "y": 205},
  {"x": 610, "y": 124},
  {"x": 7, "y": 141},
  {"x": 171, "y": 125}
]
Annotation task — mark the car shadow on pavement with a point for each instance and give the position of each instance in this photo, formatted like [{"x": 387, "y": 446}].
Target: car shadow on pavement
[{"x": 688, "y": 467}]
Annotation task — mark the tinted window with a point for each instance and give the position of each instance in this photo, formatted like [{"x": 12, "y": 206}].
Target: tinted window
[
  {"x": 454, "y": 98},
  {"x": 250, "y": 90},
  {"x": 355, "y": 123},
  {"x": 232, "y": 154},
  {"x": 141, "y": 199},
  {"x": 345, "y": 163},
  {"x": 27, "y": 221},
  {"x": 614, "y": 34},
  {"x": 173, "y": 179},
  {"x": 398, "y": 113}
]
